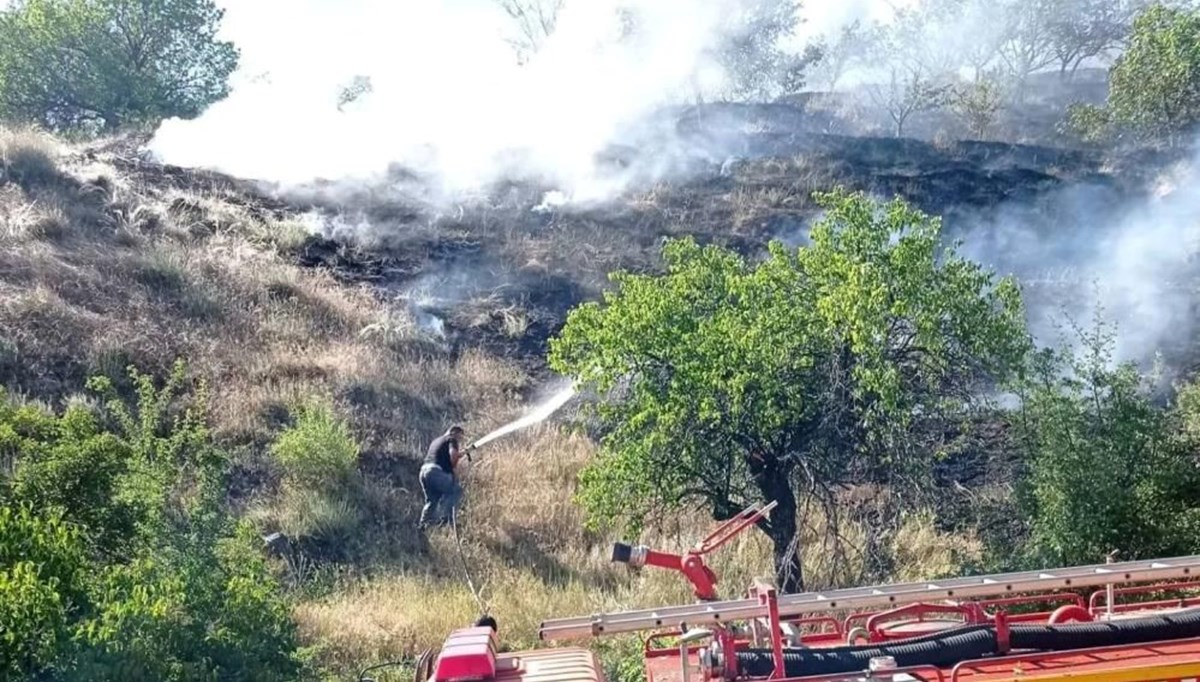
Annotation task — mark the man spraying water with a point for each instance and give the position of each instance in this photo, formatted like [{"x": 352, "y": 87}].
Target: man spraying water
[{"x": 438, "y": 481}]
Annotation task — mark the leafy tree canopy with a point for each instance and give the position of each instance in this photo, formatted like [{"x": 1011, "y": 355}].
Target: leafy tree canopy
[
  {"x": 1154, "y": 87},
  {"x": 727, "y": 380},
  {"x": 100, "y": 64}
]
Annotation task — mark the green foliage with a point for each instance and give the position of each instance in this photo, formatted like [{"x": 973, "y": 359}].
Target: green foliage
[
  {"x": 1089, "y": 122},
  {"x": 1109, "y": 470},
  {"x": 1155, "y": 85},
  {"x": 70, "y": 464},
  {"x": 33, "y": 622},
  {"x": 197, "y": 610},
  {"x": 318, "y": 450},
  {"x": 173, "y": 468},
  {"x": 69, "y": 64},
  {"x": 750, "y": 52},
  {"x": 621, "y": 659},
  {"x": 724, "y": 377},
  {"x": 42, "y": 567},
  {"x": 138, "y": 570}
]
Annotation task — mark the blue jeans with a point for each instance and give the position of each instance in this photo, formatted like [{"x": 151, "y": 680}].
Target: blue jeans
[{"x": 441, "y": 491}]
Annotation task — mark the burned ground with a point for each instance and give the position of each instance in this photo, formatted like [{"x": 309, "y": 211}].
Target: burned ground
[{"x": 498, "y": 271}]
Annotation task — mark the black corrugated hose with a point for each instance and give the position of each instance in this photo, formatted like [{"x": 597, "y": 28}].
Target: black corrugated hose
[{"x": 972, "y": 642}]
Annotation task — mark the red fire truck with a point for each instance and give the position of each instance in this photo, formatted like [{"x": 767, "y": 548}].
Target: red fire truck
[{"x": 1112, "y": 622}]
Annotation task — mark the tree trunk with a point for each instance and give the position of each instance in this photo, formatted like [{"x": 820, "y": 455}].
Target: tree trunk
[
  {"x": 775, "y": 485},
  {"x": 789, "y": 573}
]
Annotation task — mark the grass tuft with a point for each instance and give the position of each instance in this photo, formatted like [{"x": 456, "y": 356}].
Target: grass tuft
[{"x": 28, "y": 157}]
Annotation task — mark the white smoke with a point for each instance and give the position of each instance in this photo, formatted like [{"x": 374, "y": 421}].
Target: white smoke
[
  {"x": 446, "y": 95},
  {"x": 826, "y": 18},
  {"x": 1086, "y": 250}
]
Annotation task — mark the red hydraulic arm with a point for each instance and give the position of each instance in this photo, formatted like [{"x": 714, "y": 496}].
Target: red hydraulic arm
[{"x": 691, "y": 564}]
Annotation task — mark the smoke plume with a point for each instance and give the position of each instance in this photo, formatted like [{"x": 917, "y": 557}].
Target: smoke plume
[
  {"x": 344, "y": 91},
  {"x": 439, "y": 90},
  {"x": 1089, "y": 250}
]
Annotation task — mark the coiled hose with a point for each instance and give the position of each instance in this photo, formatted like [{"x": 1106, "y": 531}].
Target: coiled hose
[
  {"x": 941, "y": 650},
  {"x": 1116, "y": 633},
  {"x": 972, "y": 642}
]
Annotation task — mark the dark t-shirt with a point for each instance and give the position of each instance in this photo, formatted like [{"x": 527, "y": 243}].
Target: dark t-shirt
[{"x": 439, "y": 452}]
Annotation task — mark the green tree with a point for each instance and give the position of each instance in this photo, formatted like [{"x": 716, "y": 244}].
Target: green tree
[
  {"x": 100, "y": 64},
  {"x": 1109, "y": 470},
  {"x": 1154, "y": 87},
  {"x": 726, "y": 381},
  {"x": 750, "y": 52}
]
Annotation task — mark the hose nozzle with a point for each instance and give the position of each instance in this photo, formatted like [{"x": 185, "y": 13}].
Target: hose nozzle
[{"x": 635, "y": 556}]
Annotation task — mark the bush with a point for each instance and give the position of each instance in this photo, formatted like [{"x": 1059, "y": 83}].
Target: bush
[
  {"x": 621, "y": 659},
  {"x": 42, "y": 566},
  {"x": 200, "y": 612},
  {"x": 1089, "y": 122},
  {"x": 1108, "y": 470},
  {"x": 79, "y": 470},
  {"x": 318, "y": 450},
  {"x": 118, "y": 559}
]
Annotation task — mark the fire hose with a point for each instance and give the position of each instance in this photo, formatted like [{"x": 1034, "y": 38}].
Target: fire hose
[
  {"x": 973, "y": 642},
  {"x": 458, "y": 546}
]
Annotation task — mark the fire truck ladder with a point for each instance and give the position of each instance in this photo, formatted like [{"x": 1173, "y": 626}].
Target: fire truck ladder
[{"x": 694, "y": 615}]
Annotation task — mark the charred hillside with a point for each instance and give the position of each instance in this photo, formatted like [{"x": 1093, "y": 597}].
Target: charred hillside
[
  {"x": 395, "y": 301},
  {"x": 500, "y": 269}
]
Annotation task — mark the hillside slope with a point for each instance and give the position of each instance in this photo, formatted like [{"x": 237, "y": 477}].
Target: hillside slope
[{"x": 408, "y": 316}]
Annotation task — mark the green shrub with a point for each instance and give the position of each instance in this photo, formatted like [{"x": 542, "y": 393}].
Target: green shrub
[
  {"x": 318, "y": 450},
  {"x": 1089, "y": 122},
  {"x": 80, "y": 471},
  {"x": 42, "y": 566},
  {"x": 118, "y": 559},
  {"x": 46, "y": 539},
  {"x": 33, "y": 621},
  {"x": 1108, "y": 469},
  {"x": 621, "y": 659},
  {"x": 201, "y": 612}
]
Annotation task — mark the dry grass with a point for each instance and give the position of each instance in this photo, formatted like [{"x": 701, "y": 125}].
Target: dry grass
[
  {"x": 210, "y": 285},
  {"x": 529, "y": 558},
  {"x": 28, "y": 156}
]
